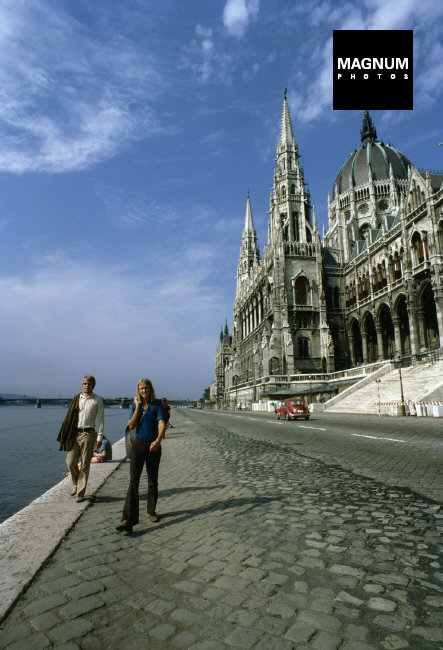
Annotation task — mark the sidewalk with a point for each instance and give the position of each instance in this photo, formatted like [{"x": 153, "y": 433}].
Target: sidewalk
[{"x": 257, "y": 547}]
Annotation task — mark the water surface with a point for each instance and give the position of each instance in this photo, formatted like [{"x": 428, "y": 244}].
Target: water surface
[{"x": 30, "y": 462}]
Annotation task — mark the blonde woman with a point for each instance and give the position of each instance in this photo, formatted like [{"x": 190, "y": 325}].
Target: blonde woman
[{"x": 149, "y": 420}]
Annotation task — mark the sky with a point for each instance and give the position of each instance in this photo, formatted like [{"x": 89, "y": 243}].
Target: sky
[{"x": 130, "y": 135}]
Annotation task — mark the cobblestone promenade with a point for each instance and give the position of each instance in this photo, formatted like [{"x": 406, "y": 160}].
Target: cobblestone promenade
[{"x": 257, "y": 547}]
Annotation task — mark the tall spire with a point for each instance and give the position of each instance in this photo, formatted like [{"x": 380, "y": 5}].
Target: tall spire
[
  {"x": 249, "y": 224},
  {"x": 286, "y": 135},
  {"x": 249, "y": 254},
  {"x": 368, "y": 132}
]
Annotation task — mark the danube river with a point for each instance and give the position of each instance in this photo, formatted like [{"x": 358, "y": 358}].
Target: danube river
[{"x": 30, "y": 462}]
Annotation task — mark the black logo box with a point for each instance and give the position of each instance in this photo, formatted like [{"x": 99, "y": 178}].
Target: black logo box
[{"x": 372, "y": 65}]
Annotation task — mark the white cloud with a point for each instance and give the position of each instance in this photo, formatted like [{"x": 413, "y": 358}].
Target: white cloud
[
  {"x": 70, "y": 317},
  {"x": 203, "y": 60},
  {"x": 238, "y": 14},
  {"x": 68, "y": 99}
]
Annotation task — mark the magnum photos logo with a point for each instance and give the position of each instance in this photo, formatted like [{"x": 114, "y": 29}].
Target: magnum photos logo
[{"x": 372, "y": 69}]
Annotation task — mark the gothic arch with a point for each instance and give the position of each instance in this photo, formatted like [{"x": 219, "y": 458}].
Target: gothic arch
[
  {"x": 304, "y": 348},
  {"x": 402, "y": 322},
  {"x": 363, "y": 232},
  {"x": 274, "y": 366},
  {"x": 397, "y": 265},
  {"x": 370, "y": 336},
  {"x": 427, "y": 315},
  {"x": 355, "y": 343},
  {"x": 417, "y": 248},
  {"x": 302, "y": 289},
  {"x": 386, "y": 325}
]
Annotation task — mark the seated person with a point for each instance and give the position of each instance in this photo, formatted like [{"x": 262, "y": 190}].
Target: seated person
[{"x": 102, "y": 450}]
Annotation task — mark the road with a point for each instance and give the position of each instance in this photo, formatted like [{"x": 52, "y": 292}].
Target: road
[{"x": 405, "y": 451}]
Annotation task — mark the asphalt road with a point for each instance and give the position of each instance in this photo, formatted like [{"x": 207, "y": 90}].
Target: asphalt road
[{"x": 402, "y": 451}]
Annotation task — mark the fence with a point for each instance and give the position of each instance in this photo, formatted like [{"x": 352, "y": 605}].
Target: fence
[{"x": 420, "y": 409}]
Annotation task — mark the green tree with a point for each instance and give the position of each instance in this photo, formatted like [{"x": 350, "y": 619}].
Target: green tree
[{"x": 205, "y": 395}]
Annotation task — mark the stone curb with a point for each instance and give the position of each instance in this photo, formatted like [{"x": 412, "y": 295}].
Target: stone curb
[{"x": 30, "y": 536}]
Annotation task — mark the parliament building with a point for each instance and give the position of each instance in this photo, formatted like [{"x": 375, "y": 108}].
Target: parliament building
[{"x": 370, "y": 289}]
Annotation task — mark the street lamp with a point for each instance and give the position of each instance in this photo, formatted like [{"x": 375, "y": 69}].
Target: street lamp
[
  {"x": 403, "y": 407},
  {"x": 377, "y": 381}
]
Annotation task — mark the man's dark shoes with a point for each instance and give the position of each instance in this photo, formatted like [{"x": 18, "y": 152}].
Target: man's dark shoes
[{"x": 125, "y": 527}]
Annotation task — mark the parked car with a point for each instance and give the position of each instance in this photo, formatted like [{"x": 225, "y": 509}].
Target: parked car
[{"x": 292, "y": 408}]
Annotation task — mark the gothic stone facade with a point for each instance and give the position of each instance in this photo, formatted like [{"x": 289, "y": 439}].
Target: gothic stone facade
[{"x": 372, "y": 289}]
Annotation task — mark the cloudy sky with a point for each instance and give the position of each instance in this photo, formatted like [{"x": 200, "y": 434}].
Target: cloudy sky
[{"x": 130, "y": 133}]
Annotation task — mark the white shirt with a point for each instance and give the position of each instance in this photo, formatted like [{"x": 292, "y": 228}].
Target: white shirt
[{"x": 91, "y": 408}]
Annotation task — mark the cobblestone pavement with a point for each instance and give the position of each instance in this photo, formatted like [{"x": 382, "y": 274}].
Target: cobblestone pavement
[
  {"x": 402, "y": 452},
  {"x": 257, "y": 547}
]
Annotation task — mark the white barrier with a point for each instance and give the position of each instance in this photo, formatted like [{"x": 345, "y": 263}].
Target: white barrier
[
  {"x": 420, "y": 409},
  {"x": 265, "y": 407}
]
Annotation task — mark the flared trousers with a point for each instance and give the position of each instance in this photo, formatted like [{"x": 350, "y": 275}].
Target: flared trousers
[{"x": 140, "y": 456}]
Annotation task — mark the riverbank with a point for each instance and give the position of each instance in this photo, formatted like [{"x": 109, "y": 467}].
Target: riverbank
[{"x": 31, "y": 535}]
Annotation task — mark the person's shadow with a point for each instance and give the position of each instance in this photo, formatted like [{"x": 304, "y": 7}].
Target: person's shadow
[{"x": 179, "y": 516}]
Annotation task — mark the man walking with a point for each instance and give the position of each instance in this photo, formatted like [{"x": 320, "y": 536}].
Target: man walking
[{"x": 78, "y": 434}]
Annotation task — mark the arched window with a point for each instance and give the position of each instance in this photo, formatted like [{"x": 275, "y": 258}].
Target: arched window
[
  {"x": 274, "y": 366},
  {"x": 292, "y": 189},
  {"x": 397, "y": 267},
  {"x": 364, "y": 233},
  {"x": 417, "y": 247},
  {"x": 301, "y": 291},
  {"x": 303, "y": 348}
]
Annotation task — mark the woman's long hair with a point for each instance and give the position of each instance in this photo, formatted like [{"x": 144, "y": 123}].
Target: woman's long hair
[{"x": 146, "y": 382}]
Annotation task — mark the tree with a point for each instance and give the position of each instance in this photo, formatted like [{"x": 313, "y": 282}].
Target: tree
[{"x": 205, "y": 395}]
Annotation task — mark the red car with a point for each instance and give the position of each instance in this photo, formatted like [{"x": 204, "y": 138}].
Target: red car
[{"x": 293, "y": 408}]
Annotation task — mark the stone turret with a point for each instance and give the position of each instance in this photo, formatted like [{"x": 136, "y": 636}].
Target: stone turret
[{"x": 249, "y": 253}]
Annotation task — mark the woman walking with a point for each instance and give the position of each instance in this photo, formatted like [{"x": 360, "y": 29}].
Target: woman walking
[{"x": 149, "y": 420}]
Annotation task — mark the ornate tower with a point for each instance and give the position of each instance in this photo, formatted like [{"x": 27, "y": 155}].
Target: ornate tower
[
  {"x": 290, "y": 204},
  {"x": 249, "y": 254}
]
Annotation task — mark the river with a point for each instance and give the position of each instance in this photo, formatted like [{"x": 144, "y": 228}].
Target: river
[{"x": 30, "y": 462}]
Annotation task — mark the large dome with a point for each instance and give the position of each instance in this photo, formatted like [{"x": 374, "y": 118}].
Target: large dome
[{"x": 371, "y": 153}]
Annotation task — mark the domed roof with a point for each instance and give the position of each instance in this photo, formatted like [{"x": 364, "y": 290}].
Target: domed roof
[{"x": 371, "y": 153}]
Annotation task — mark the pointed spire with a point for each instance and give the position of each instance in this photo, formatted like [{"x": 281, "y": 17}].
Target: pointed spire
[
  {"x": 249, "y": 224},
  {"x": 226, "y": 327},
  {"x": 368, "y": 132},
  {"x": 286, "y": 135}
]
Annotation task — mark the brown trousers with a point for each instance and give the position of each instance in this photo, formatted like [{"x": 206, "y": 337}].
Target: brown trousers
[{"x": 82, "y": 449}]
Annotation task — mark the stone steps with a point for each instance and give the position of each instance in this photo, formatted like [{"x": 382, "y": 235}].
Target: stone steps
[{"x": 417, "y": 382}]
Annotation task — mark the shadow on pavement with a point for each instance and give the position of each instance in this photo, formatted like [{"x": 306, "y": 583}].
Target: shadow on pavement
[{"x": 180, "y": 516}]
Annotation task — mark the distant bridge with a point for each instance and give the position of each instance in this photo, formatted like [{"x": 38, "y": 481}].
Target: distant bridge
[{"x": 38, "y": 402}]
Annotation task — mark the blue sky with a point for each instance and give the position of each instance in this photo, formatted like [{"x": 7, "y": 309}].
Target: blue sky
[{"x": 130, "y": 134}]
